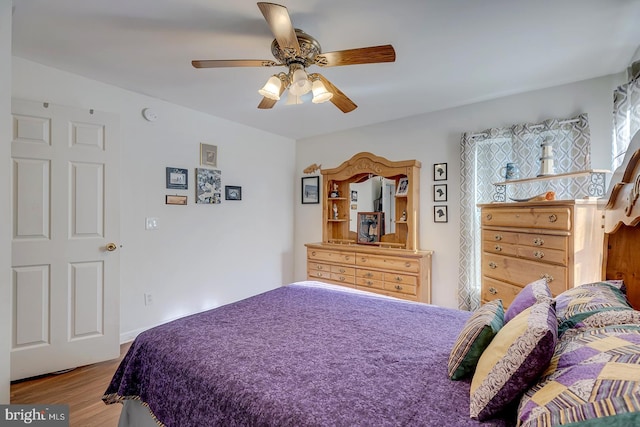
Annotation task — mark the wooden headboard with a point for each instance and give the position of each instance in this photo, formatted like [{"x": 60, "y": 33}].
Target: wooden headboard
[{"x": 621, "y": 258}]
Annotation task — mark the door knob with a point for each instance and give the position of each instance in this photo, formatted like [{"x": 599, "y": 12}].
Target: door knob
[{"x": 111, "y": 247}]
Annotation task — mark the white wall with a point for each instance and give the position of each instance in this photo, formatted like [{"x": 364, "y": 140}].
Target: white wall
[
  {"x": 435, "y": 138},
  {"x": 201, "y": 256},
  {"x": 5, "y": 194}
]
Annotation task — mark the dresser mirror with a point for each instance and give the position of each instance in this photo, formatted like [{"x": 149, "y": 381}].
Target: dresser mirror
[
  {"x": 374, "y": 194},
  {"x": 367, "y": 183}
]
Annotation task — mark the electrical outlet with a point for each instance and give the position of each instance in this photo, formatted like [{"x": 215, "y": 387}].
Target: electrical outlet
[{"x": 148, "y": 299}]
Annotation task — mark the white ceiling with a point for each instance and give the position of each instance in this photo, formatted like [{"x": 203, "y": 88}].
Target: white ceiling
[{"x": 449, "y": 52}]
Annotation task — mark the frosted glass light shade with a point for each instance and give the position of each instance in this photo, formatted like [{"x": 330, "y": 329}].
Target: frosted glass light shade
[
  {"x": 300, "y": 83},
  {"x": 320, "y": 93},
  {"x": 293, "y": 99},
  {"x": 271, "y": 89}
]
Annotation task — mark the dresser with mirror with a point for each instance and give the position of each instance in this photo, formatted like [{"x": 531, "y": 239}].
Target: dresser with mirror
[{"x": 370, "y": 229}]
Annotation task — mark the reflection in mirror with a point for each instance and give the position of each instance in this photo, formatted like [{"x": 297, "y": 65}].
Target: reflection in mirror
[{"x": 376, "y": 194}]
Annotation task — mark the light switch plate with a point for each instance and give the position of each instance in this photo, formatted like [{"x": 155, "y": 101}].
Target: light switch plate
[{"x": 152, "y": 223}]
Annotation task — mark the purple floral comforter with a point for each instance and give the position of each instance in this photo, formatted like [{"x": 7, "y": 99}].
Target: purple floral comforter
[{"x": 301, "y": 355}]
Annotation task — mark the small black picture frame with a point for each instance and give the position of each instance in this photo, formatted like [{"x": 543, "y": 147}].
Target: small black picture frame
[
  {"x": 232, "y": 192},
  {"x": 177, "y": 178},
  {"x": 440, "y": 172},
  {"x": 440, "y": 213},
  {"x": 440, "y": 192},
  {"x": 310, "y": 189}
]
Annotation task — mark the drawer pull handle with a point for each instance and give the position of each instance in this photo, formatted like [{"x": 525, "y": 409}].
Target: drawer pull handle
[
  {"x": 342, "y": 278},
  {"x": 489, "y": 217},
  {"x": 498, "y": 248},
  {"x": 346, "y": 257},
  {"x": 538, "y": 241},
  {"x": 553, "y": 218},
  {"x": 313, "y": 253},
  {"x": 342, "y": 270},
  {"x": 320, "y": 274},
  {"x": 319, "y": 267},
  {"x": 369, "y": 275},
  {"x": 398, "y": 279},
  {"x": 497, "y": 237},
  {"x": 407, "y": 264},
  {"x": 547, "y": 277},
  {"x": 369, "y": 283},
  {"x": 493, "y": 265},
  {"x": 398, "y": 287},
  {"x": 363, "y": 259},
  {"x": 538, "y": 254},
  {"x": 493, "y": 290}
]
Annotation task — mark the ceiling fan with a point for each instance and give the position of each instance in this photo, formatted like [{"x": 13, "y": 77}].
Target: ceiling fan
[{"x": 296, "y": 50}]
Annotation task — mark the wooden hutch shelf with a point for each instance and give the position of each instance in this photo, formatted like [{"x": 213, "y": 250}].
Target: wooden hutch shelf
[{"x": 394, "y": 265}]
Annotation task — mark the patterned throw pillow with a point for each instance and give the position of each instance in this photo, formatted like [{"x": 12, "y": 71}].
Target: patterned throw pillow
[
  {"x": 593, "y": 379},
  {"x": 476, "y": 335},
  {"x": 532, "y": 293},
  {"x": 576, "y": 305},
  {"x": 515, "y": 358}
]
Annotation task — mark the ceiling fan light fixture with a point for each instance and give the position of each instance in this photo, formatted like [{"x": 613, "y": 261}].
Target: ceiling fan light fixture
[
  {"x": 300, "y": 83},
  {"x": 293, "y": 99},
  {"x": 271, "y": 89},
  {"x": 320, "y": 93}
]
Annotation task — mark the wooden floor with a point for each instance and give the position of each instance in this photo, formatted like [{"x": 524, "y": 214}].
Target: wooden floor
[{"x": 81, "y": 389}]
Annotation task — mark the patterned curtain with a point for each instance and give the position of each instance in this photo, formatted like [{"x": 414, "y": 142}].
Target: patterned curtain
[
  {"x": 483, "y": 156},
  {"x": 626, "y": 118}
]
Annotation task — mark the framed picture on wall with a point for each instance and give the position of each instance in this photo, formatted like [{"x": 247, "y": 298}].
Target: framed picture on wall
[
  {"x": 310, "y": 190},
  {"x": 440, "y": 193},
  {"x": 232, "y": 192},
  {"x": 208, "y": 155},
  {"x": 440, "y": 213},
  {"x": 440, "y": 172},
  {"x": 177, "y": 179}
]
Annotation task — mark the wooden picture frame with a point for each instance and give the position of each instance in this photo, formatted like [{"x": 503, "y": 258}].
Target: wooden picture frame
[
  {"x": 208, "y": 155},
  {"x": 175, "y": 200},
  {"x": 232, "y": 192},
  {"x": 370, "y": 227},
  {"x": 440, "y": 172},
  {"x": 440, "y": 213},
  {"x": 310, "y": 190},
  {"x": 440, "y": 192},
  {"x": 177, "y": 178}
]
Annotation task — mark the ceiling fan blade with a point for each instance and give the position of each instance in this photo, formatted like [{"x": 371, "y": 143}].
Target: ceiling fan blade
[
  {"x": 363, "y": 55},
  {"x": 339, "y": 99},
  {"x": 267, "y": 103},
  {"x": 279, "y": 21},
  {"x": 220, "y": 63}
]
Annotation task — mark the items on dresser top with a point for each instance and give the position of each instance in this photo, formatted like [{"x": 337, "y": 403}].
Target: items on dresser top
[{"x": 559, "y": 241}]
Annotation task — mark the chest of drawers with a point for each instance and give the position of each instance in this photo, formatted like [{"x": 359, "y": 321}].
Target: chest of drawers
[
  {"x": 560, "y": 241},
  {"x": 394, "y": 272}
]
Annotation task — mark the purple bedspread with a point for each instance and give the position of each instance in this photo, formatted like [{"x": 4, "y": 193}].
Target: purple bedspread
[{"x": 300, "y": 356}]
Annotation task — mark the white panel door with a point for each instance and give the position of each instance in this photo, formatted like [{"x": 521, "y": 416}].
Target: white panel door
[{"x": 65, "y": 250}]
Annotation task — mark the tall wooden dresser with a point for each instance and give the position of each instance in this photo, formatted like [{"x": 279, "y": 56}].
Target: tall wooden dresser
[{"x": 560, "y": 241}]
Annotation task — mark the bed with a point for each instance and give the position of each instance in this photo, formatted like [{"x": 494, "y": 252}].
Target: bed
[{"x": 313, "y": 354}]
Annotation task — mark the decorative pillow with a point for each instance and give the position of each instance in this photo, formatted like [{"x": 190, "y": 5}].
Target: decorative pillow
[
  {"x": 532, "y": 293},
  {"x": 515, "y": 358},
  {"x": 476, "y": 335},
  {"x": 593, "y": 379},
  {"x": 576, "y": 304}
]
